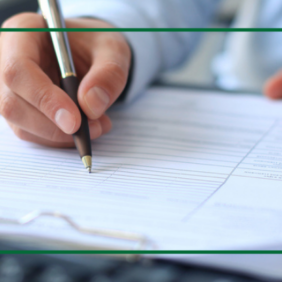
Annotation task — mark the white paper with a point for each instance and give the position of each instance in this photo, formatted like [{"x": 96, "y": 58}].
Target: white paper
[{"x": 187, "y": 169}]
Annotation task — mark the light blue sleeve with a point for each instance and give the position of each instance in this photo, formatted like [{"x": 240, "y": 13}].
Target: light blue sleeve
[{"x": 153, "y": 51}]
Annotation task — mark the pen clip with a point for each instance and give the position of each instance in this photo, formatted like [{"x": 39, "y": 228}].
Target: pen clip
[{"x": 52, "y": 13}]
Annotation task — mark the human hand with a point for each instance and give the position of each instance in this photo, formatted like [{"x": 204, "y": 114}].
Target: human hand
[
  {"x": 30, "y": 97},
  {"x": 273, "y": 86}
]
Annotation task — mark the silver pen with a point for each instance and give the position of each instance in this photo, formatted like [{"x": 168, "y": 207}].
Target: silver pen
[{"x": 51, "y": 11}]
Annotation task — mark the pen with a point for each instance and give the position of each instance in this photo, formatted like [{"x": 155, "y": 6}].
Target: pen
[{"x": 69, "y": 83}]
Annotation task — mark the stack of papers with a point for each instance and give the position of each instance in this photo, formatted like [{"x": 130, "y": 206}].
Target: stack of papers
[{"x": 189, "y": 170}]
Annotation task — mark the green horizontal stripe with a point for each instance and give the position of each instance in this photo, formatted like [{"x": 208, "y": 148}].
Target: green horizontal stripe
[
  {"x": 144, "y": 29},
  {"x": 134, "y": 252}
]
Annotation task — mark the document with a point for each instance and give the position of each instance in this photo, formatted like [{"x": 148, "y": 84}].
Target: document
[{"x": 190, "y": 170}]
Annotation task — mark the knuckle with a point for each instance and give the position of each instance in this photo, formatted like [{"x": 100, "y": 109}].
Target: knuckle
[
  {"x": 116, "y": 74},
  {"x": 117, "y": 43},
  {"x": 9, "y": 23},
  {"x": 7, "y": 106},
  {"x": 124, "y": 47},
  {"x": 21, "y": 20},
  {"x": 10, "y": 72},
  {"x": 43, "y": 100}
]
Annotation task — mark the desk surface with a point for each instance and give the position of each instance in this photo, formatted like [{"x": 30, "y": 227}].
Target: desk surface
[{"x": 78, "y": 268}]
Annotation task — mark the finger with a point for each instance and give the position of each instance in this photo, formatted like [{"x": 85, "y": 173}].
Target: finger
[
  {"x": 107, "y": 77},
  {"x": 273, "y": 87},
  {"x": 96, "y": 128},
  {"x": 23, "y": 115},
  {"x": 22, "y": 74},
  {"x": 27, "y": 80},
  {"x": 14, "y": 110},
  {"x": 26, "y": 136}
]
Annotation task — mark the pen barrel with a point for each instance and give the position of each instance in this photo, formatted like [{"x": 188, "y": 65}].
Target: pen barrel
[
  {"x": 81, "y": 137},
  {"x": 51, "y": 11}
]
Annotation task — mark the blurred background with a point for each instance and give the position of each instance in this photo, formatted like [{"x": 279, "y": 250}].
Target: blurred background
[
  {"x": 196, "y": 71},
  {"x": 11, "y": 7}
]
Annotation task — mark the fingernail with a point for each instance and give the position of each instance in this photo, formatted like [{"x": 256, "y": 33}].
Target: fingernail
[
  {"x": 65, "y": 120},
  {"x": 97, "y": 100}
]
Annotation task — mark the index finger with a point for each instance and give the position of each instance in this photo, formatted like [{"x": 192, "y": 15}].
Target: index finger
[{"x": 21, "y": 55}]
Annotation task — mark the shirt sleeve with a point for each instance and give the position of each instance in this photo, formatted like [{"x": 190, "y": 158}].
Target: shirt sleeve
[{"x": 153, "y": 52}]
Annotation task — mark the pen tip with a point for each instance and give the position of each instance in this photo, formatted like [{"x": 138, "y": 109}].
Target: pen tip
[{"x": 87, "y": 161}]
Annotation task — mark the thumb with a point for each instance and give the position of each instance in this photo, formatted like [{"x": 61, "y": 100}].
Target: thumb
[{"x": 106, "y": 78}]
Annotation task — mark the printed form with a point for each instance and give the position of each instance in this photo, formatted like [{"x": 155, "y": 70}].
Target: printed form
[{"x": 187, "y": 169}]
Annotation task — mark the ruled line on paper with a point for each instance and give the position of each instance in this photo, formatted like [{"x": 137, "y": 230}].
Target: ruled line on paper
[{"x": 153, "y": 168}]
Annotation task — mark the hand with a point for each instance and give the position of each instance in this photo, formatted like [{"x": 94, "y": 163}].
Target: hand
[
  {"x": 30, "y": 97},
  {"x": 273, "y": 86}
]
